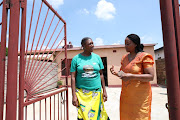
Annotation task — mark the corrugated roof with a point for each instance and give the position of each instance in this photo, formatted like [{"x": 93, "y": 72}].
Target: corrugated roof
[{"x": 159, "y": 48}]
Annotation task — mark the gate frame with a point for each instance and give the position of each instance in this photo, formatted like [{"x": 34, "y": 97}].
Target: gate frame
[
  {"x": 171, "y": 37},
  {"x": 11, "y": 97},
  {"x": 170, "y": 27},
  {"x": 3, "y": 54},
  {"x": 22, "y": 60}
]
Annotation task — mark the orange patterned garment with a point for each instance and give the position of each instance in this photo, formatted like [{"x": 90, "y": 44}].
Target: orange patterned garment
[{"x": 136, "y": 96}]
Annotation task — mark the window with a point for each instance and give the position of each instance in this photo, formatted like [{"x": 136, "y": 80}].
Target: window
[
  {"x": 159, "y": 58},
  {"x": 63, "y": 73}
]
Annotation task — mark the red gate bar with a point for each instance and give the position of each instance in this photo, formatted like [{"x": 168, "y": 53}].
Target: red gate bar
[
  {"x": 34, "y": 77},
  {"x": 55, "y": 12},
  {"x": 34, "y": 111},
  {"x": 32, "y": 96},
  {"x": 41, "y": 69},
  {"x": 48, "y": 113},
  {"x": 45, "y": 110},
  {"x": 177, "y": 30},
  {"x": 40, "y": 48},
  {"x": 43, "y": 54},
  {"x": 35, "y": 83},
  {"x": 175, "y": 5},
  {"x": 67, "y": 108},
  {"x": 50, "y": 108},
  {"x": 2, "y": 56},
  {"x": 41, "y": 34},
  {"x": 30, "y": 27},
  {"x": 30, "y": 71},
  {"x": 35, "y": 33},
  {"x": 25, "y": 114},
  {"x": 35, "y": 90},
  {"x": 171, "y": 59},
  {"x": 41, "y": 45},
  {"x": 11, "y": 98},
  {"x": 22, "y": 60}
]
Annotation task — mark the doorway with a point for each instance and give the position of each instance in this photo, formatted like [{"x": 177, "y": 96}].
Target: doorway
[{"x": 104, "y": 60}]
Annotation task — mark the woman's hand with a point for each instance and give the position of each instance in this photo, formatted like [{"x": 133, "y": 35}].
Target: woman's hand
[
  {"x": 104, "y": 96},
  {"x": 75, "y": 101},
  {"x": 112, "y": 70},
  {"x": 103, "y": 86}
]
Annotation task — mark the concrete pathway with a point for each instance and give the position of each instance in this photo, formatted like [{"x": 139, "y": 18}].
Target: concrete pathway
[
  {"x": 159, "y": 99},
  {"x": 159, "y": 112}
]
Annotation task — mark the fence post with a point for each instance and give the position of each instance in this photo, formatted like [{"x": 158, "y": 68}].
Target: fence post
[
  {"x": 176, "y": 15},
  {"x": 11, "y": 98},
  {"x": 171, "y": 59},
  {"x": 2, "y": 56},
  {"x": 22, "y": 60},
  {"x": 66, "y": 64}
]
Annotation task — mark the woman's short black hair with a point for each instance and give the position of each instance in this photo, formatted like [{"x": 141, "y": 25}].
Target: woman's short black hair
[
  {"x": 136, "y": 39},
  {"x": 83, "y": 41}
]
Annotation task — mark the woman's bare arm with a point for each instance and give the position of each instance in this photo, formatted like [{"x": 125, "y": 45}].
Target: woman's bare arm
[
  {"x": 73, "y": 87},
  {"x": 146, "y": 77},
  {"x": 103, "y": 86}
]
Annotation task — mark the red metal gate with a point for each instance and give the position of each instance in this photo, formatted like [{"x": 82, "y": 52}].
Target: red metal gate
[
  {"x": 171, "y": 37},
  {"x": 32, "y": 68}
]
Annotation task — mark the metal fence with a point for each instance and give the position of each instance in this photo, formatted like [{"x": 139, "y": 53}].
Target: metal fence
[{"x": 32, "y": 32}]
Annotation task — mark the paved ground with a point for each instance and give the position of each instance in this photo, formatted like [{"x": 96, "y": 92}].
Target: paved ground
[
  {"x": 159, "y": 112},
  {"x": 159, "y": 98}
]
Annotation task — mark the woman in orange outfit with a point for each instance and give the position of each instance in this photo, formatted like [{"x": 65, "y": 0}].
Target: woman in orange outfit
[{"x": 136, "y": 73}]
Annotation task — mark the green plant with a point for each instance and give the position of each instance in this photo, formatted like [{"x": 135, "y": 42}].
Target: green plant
[
  {"x": 59, "y": 82},
  {"x": 6, "y": 50}
]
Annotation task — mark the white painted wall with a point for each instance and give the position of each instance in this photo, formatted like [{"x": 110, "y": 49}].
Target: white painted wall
[{"x": 159, "y": 54}]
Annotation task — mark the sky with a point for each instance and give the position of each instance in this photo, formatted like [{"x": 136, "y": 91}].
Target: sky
[{"x": 107, "y": 22}]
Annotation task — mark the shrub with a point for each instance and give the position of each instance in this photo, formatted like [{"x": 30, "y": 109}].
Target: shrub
[{"x": 59, "y": 82}]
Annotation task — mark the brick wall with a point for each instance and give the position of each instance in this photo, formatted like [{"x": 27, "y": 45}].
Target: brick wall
[
  {"x": 48, "y": 75},
  {"x": 161, "y": 72}
]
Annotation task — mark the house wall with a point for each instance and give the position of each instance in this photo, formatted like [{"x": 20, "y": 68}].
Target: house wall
[
  {"x": 40, "y": 56},
  {"x": 47, "y": 83},
  {"x": 113, "y": 58}
]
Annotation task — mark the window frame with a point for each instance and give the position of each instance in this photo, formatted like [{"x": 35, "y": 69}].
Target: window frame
[{"x": 63, "y": 73}]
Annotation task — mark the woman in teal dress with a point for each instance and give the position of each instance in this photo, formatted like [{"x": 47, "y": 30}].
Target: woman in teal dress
[{"x": 87, "y": 83}]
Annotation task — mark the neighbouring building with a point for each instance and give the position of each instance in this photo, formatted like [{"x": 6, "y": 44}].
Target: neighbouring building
[
  {"x": 110, "y": 54},
  {"x": 159, "y": 53},
  {"x": 160, "y": 66}
]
